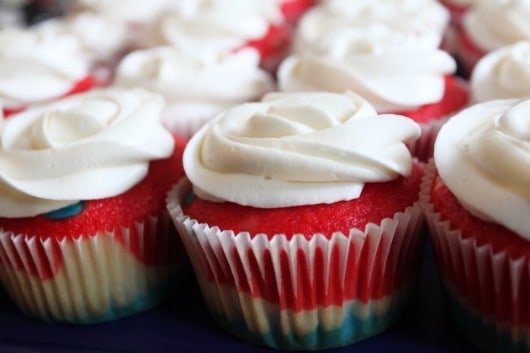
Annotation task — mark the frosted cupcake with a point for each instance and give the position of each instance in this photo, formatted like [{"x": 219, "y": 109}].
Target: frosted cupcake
[
  {"x": 135, "y": 14},
  {"x": 275, "y": 219},
  {"x": 227, "y": 25},
  {"x": 102, "y": 39},
  {"x": 196, "y": 85},
  {"x": 37, "y": 67},
  {"x": 84, "y": 233},
  {"x": 490, "y": 25},
  {"x": 425, "y": 18},
  {"x": 502, "y": 73},
  {"x": 477, "y": 204},
  {"x": 381, "y": 64}
]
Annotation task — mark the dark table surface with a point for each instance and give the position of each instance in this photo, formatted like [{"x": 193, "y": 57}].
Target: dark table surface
[{"x": 182, "y": 323}]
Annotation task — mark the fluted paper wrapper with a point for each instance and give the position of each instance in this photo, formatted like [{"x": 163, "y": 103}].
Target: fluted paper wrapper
[
  {"x": 90, "y": 278},
  {"x": 487, "y": 291},
  {"x": 423, "y": 147},
  {"x": 301, "y": 293}
]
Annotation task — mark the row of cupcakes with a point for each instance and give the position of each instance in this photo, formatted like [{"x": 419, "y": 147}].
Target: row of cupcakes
[
  {"x": 371, "y": 295},
  {"x": 301, "y": 214}
]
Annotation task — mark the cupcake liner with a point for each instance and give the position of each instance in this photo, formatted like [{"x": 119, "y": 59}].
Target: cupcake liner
[
  {"x": 90, "y": 278},
  {"x": 487, "y": 291},
  {"x": 302, "y": 293},
  {"x": 423, "y": 147}
]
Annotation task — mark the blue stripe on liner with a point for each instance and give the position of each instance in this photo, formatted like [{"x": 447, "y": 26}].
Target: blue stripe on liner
[{"x": 352, "y": 330}]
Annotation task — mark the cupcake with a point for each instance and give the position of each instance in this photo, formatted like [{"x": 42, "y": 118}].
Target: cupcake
[
  {"x": 275, "y": 219},
  {"x": 381, "y": 64},
  {"x": 84, "y": 232},
  {"x": 200, "y": 24},
  {"x": 490, "y": 25},
  {"x": 476, "y": 201},
  {"x": 38, "y": 67},
  {"x": 103, "y": 40},
  {"x": 425, "y": 18},
  {"x": 196, "y": 85},
  {"x": 135, "y": 14},
  {"x": 502, "y": 73}
]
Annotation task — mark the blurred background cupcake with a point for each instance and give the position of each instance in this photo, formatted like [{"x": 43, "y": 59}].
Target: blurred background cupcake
[
  {"x": 38, "y": 66},
  {"x": 196, "y": 84},
  {"x": 275, "y": 220},
  {"x": 425, "y": 18},
  {"x": 229, "y": 25},
  {"x": 489, "y": 25},
  {"x": 476, "y": 200},
  {"x": 84, "y": 233},
  {"x": 502, "y": 73}
]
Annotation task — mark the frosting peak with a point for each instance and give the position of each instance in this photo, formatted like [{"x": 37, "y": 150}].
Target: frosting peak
[
  {"x": 89, "y": 146},
  {"x": 295, "y": 149}
]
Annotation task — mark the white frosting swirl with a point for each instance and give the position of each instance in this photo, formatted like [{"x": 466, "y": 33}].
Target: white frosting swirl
[
  {"x": 503, "y": 73},
  {"x": 195, "y": 85},
  {"x": 483, "y": 156},
  {"x": 424, "y": 18},
  {"x": 199, "y": 24},
  {"x": 36, "y": 65},
  {"x": 377, "y": 62},
  {"x": 88, "y": 146},
  {"x": 100, "y": 37},
  {"x": 127, "y": 11},
  {"x": 493, "y": 24},
  {"x": 297, "y": 149}
]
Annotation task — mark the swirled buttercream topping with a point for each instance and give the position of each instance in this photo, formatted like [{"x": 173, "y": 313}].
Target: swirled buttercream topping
[
  {"x": 89, "y": 146},
  {"x": 423, "y": 18},
  {"x": 220, "y": 24},
  {"x": 297, "y": 149},
  {"x": 100, "y": 36},
  {"x": 36, "y": 65},
  {"x": 503, "y": 73},
  {"x": 205, "y": 81},
  {"x": 483, "y": 156},
  {"x": 493, "y": 24},
  {"x": 377, "y": 62},
  {"x": 127, "y": 11}
]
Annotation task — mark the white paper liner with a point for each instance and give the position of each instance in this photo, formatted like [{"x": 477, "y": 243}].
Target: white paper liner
[
  {"x": 96, "y": 278},
  {"x": 365, "y": 265},
  {"x": 492, "y": 286}
]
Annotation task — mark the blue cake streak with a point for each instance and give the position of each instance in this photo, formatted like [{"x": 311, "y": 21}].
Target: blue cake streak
[{"x": 66, "y": 212}]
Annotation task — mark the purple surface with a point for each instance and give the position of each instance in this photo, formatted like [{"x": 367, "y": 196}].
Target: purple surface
[{"x": 182, "y": 323}]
